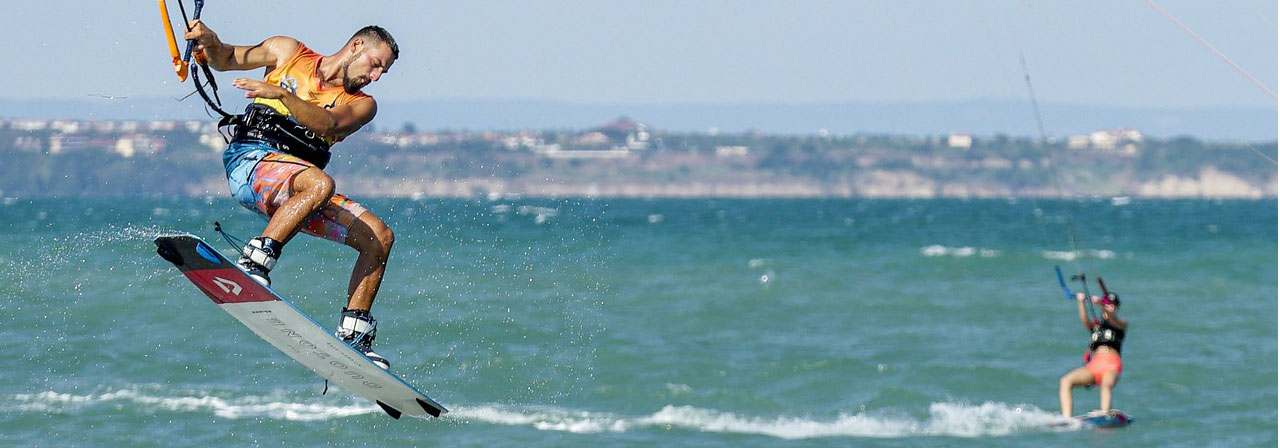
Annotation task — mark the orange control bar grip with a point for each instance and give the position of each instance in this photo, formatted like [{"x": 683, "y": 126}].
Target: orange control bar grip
[{"x": 179, "y": 66}]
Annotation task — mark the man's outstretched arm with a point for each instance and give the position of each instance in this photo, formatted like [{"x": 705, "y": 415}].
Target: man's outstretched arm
[{"x": 224, "y": 57}]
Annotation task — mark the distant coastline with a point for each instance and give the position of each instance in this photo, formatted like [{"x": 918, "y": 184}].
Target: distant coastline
[
  {"x": 984, "y": 117},
  {"x": 881, "y": 185},
  {"x": 629, "y": 159}
]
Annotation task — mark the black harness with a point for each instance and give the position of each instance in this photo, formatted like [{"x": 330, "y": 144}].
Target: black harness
[
  {"x": 263, "y": 124},
  {"x": 1104, "y": 334}
]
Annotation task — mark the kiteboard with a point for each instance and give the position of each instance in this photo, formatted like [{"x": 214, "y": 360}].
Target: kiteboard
[
  {"x": 1109, "y": 419},
  {"x": 286, "y": 328},
  {"x": 1096, "y": 419}
]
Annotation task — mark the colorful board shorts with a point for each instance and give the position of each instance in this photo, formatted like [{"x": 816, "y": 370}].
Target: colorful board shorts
[
  {"x": 1103, "y": 363},
  {"x": 260, "y": 177}
]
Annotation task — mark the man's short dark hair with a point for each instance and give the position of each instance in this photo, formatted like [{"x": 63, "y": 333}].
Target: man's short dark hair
[{"x": 380, "y": 33}]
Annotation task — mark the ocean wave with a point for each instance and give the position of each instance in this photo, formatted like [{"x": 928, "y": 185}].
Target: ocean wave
[
  {"x": 1072, "y": 255},
  {"x": 938, "y": 250},
  {"x": 274, "y": 407},
  {"x": 945, "y": 419},
  {"x": 540, "y": 214}
]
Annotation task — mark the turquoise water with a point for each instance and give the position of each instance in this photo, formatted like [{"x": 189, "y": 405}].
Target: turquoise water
[{"x": 656, "y": 323}]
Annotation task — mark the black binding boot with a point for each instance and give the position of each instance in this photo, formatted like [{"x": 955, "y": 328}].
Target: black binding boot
[
  {"x": 358, "y": 328},
  {"x": 259, "y": 257}
]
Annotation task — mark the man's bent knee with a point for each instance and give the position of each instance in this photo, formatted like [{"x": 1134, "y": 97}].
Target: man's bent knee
[
  {"x": 375, "y": 236},
  {"x": 385, "y": 236}
]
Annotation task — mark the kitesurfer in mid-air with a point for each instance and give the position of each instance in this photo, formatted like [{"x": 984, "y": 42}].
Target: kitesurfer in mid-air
[
  {"x": 305, "y": 103},
  {"x": 1103, "y": 364}
]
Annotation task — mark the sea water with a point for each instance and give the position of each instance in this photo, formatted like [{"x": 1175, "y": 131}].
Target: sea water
[{"x": 605, "y": 322}]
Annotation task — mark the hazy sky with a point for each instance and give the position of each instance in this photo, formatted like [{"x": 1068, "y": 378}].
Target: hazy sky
[{"x": 1095, "y": 52}]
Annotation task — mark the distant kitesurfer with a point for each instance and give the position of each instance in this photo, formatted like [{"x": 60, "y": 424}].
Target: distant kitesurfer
[
  {"x": 305, "y": 103},
  {"x": 1103, "y": 364}
]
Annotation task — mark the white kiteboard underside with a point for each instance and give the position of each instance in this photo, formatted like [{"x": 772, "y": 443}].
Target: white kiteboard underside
[{"x": 287, "y": 329}]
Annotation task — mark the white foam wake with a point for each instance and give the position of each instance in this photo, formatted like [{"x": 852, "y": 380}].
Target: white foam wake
[
  {"x": 275, "y": 407},
  {"x": 945, "y": 419}
]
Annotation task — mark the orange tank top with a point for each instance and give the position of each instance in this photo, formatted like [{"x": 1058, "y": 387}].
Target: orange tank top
[{"x": 299, "y": 76}]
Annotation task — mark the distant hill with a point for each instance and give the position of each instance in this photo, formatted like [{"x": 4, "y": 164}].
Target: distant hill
[
  {"x": 626, "y": 158},
  {"x": 978, "y": 117}
]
